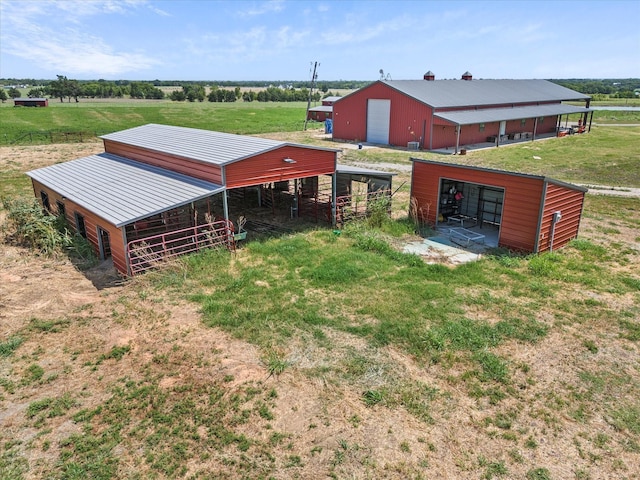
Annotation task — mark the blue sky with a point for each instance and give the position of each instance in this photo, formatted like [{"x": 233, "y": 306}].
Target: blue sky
[{"x": 351, "y": 40}]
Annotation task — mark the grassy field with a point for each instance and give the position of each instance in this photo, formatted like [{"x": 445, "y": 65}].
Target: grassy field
[
  {"x": 32, "y": 125},
  {"x": 98, "y": 117},
  {"x": 325, "y": 355}
]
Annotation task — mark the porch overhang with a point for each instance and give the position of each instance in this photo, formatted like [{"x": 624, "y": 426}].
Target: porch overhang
[{"x": 488, "y": 115}]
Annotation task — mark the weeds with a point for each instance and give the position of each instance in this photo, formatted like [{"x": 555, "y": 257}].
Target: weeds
[
  {"x": 10, "y": 345},
  {"x": 275, "y": 362},
  {"x": 28, "y": 225}
]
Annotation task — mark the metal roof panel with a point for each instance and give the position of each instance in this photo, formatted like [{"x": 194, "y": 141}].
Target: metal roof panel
[
  {"x": 121, "y": 190},
  {"x": 469, "y": 117},
  {"x": 202, "y": 145},
  {"x": 464, "y": 93}
]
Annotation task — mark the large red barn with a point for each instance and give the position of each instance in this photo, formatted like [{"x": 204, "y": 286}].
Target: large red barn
[{"x": 448, "y": 114}]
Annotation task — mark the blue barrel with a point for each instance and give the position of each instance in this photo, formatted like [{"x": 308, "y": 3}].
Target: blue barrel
[{"x": 328, "y": 126}]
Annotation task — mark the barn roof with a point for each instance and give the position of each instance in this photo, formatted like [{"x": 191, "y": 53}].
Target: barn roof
[
  {"x": 463, "y": 93},
  {"x": 322, "y": 108},
  {"x": 486, "y": 115},
  {"x": 120, "y": 190},
  {"x": 349, "y": 169},
  {"x": 203, "y": 145},
  {"x": 542, "y": 178}
]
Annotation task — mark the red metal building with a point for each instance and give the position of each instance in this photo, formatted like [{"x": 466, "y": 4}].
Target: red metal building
[
  {"x": 528, "y": 213},
  {"x": 448, "y": 114},
  {"x": 31, "y": 102},
  {"x": 178, "y": 186},
  {"x": 324, "y": 111}
]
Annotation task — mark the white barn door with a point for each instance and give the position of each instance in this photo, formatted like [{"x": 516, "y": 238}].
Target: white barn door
[{"x": 378, "y": 121}]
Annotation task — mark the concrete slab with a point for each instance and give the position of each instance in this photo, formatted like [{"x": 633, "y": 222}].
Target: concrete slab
[{"x": 441, "y": 250}]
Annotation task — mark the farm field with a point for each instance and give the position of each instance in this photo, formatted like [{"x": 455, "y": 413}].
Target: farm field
[
  {"x": 94, "y": 117},
  {"x": 316, "y": 355}
]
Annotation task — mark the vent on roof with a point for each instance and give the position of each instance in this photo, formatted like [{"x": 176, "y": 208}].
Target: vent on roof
[
  {"x": 467, "y": 76},
  {"x": 429, "y": 76}
]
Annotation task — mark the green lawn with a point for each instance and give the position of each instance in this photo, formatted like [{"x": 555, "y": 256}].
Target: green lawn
[
  {"x": 30, "y": 125},
  {"x": 533, "y": 358}
]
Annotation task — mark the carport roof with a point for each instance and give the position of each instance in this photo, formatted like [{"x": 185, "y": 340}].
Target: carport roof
[
  {"x": 487, "y": 115},
  {"x": 120, "y": 190},
  {"x": 348, "y": 169},
  {"x": 207, "y": 146}
]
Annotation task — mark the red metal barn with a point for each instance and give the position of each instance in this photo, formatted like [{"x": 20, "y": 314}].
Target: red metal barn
[
  {"x": 31, "y": 102},
  {"x": 448, "y": 114},
  {"x": 324, "y": 111},
  {"x": 174, "y": 188},
  {"x": 528, "y": 213}
]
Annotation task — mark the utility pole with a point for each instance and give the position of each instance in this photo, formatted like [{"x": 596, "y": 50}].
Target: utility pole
[{"x": 314, "y": 76}]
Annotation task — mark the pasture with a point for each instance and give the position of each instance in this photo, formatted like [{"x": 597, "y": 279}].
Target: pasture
[{"x": 335, "y": 356}]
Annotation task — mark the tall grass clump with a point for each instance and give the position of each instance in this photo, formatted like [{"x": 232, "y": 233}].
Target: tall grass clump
[{"x": 28, "y": 225}]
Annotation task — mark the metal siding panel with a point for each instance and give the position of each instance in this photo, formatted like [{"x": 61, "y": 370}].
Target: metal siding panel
[
  {"x": 522, "y": 196},
  {"x": 207, "y": 172},
  {"x": 269, "y": 167},
  {"x": 568, "y": 201}
]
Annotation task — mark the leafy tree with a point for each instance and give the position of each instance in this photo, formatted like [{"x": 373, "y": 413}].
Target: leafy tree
[
  {"x": 59, "y": 88},
  {"x": 249, "y": 96},
  {"x": 14, "y": 92},
  {"x": 194, "y": 92},
  {"x": 3, "y": 95},
  {"x": 73, "y": 90},
  {"x": 37, "y": 92},
  {"x": 178, "y": 96}
]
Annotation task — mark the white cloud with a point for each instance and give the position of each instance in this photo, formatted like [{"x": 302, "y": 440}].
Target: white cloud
[
  {"x": 60, "y": 45},
  {"x": 264, "y": 7}
]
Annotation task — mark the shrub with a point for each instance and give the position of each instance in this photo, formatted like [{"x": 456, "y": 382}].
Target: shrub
[{"x": 28, "y": 225}]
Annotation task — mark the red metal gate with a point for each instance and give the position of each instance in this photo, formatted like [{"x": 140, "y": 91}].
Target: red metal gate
[{"x": 150, "y": 252}]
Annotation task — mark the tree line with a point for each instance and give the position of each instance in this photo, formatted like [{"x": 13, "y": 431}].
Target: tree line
[
  {"x": 68, "y": 89},
  {"x": 194, "y": 92},
  {"x": 615, "y": 87}
]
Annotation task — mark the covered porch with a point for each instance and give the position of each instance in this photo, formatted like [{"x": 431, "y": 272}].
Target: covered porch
[{"x": 487, "y": 128}]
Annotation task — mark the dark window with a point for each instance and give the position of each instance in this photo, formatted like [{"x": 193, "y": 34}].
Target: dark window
[
  {"x": 80, "y": 227},
  {"x": 45, "y": 200},
  {"x": 60, "y": 207}
]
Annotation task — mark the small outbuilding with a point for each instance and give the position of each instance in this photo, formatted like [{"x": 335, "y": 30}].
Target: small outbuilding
[
  {"x": 522, "y": 212},
  {"x": 31, "y": 102},
  {"x": 323, "y": 112}
]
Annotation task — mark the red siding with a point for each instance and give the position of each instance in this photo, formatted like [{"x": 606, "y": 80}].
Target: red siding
[
  {"x": 92, "y": 222},
  {"x": 319, "y": 116},
  {"x": 522, "y": 199},
  {"x": 270, "y": 167},
  {"x": 570, "y": 203},
  {"x": 204, "y": 171},
  {"x": 407, "y": 116}
]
